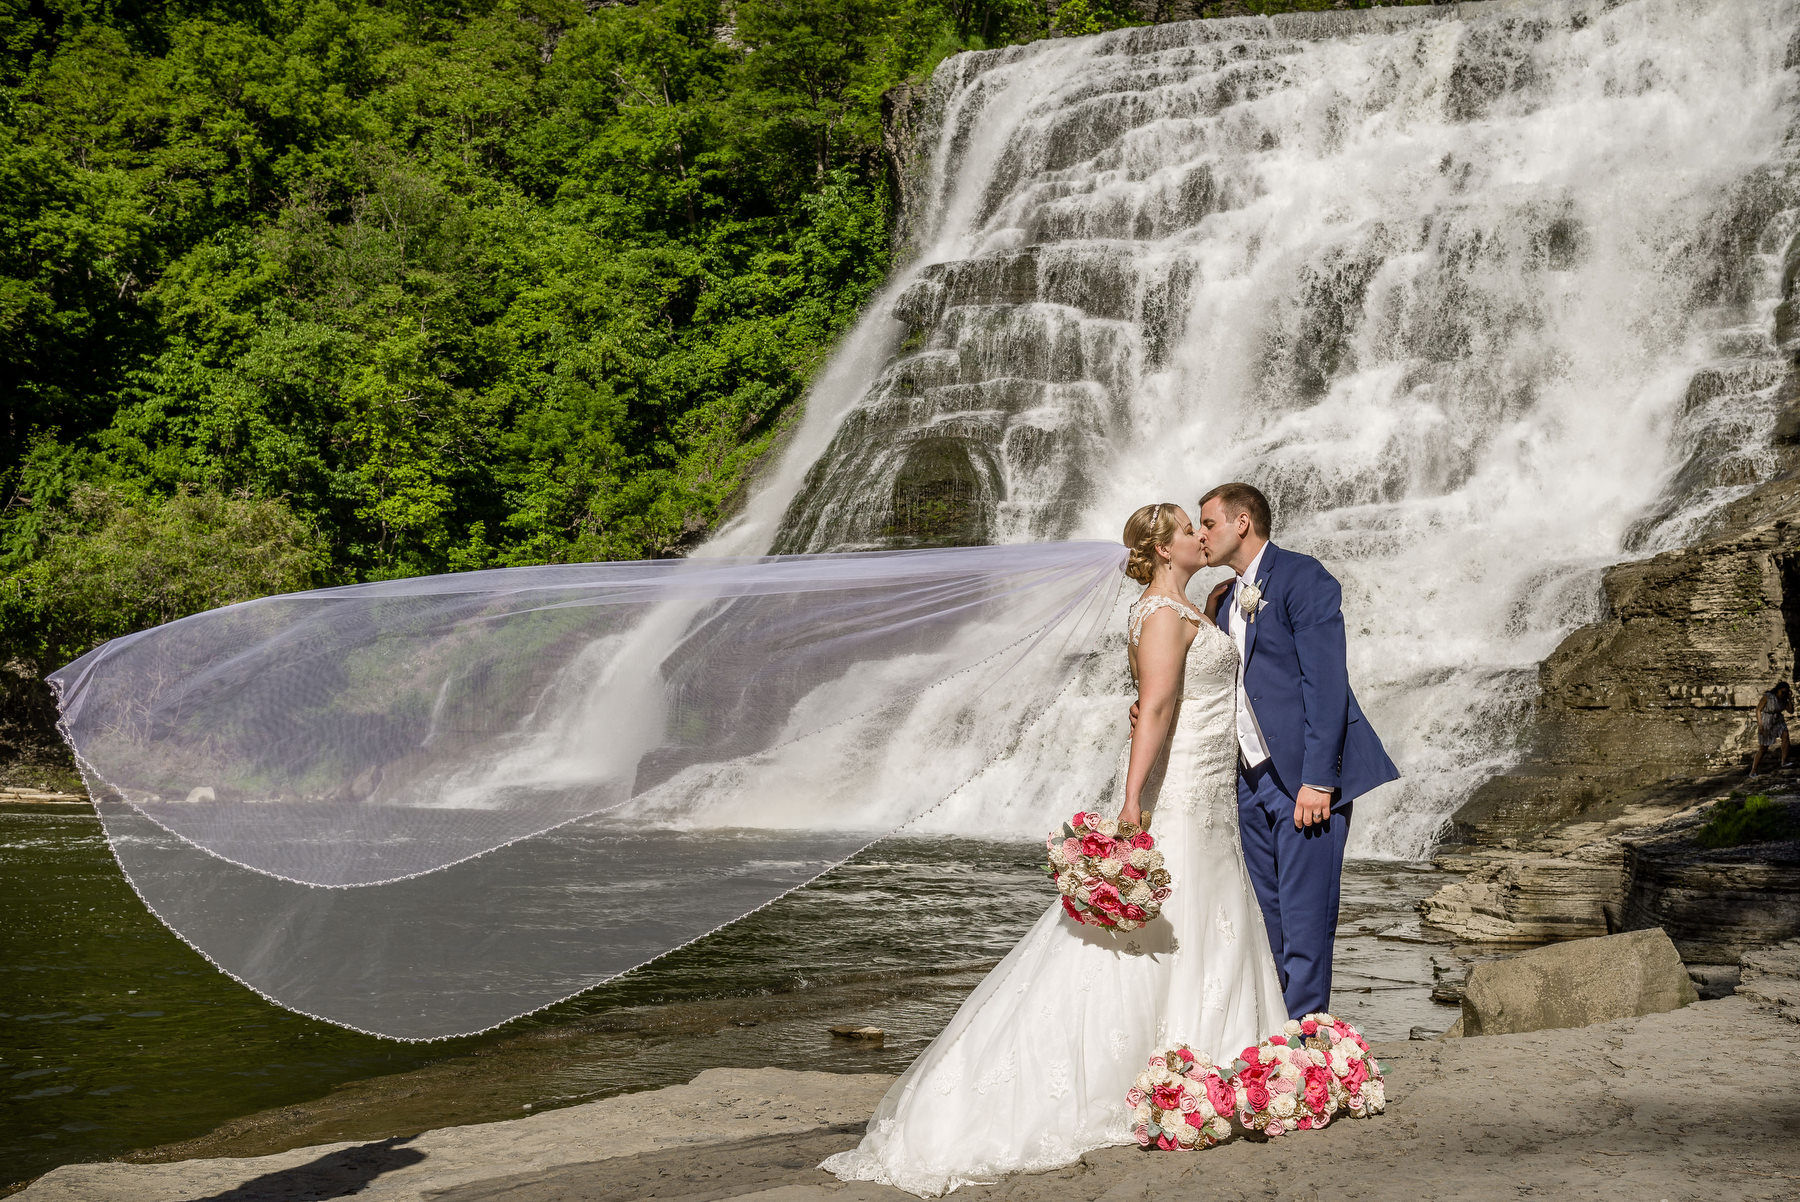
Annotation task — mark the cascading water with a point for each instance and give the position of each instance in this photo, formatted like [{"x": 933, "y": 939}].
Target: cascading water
[{"x": 1481, "y": 298}]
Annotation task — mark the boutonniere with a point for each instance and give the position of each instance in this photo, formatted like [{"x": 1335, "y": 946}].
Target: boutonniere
[{"x": 1249, "y": 600}]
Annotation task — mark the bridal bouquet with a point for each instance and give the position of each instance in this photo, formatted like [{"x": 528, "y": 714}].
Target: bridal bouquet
[
  {"x": 1297, "y": 1080},
  {"x": 1356, "y": 1077},
  {"x": 1109, "y": 876},
  {"x": 1180, "y": 1100},
  {"x": 1294, "y": 1081}
]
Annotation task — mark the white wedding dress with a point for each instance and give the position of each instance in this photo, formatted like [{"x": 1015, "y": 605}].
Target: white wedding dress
[{"x": 1033, "y": 1069}]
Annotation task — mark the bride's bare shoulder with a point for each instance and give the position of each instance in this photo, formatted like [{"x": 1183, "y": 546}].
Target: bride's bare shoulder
[{"x": 1158, "y": 612}]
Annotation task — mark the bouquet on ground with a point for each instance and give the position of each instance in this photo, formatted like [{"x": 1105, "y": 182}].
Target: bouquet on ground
[
  {"x": 1356, "y": 1077},
  {"x": 1298, "y": 1080},
  {"x": 1180, "y": 1101},
  {"x": 1109, "y": 875}
]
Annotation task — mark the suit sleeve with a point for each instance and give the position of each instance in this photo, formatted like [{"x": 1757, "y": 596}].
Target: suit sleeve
[{"x": 1315, "y": 610}]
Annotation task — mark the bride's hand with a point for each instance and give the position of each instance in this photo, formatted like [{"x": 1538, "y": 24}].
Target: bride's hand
[
  {"x": 1133, "y": 814},
  {"x": 1212, "y": 602}
]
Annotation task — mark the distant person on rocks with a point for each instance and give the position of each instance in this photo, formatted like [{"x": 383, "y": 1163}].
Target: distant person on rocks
[{"x": 1771, "y": 724}]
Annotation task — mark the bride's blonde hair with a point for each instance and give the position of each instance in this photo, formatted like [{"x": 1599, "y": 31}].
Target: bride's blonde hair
[{"x": 1151, "y": 527}]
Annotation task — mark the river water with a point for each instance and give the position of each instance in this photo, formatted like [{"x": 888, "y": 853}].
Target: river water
[{"x": 118, "y": 1037}]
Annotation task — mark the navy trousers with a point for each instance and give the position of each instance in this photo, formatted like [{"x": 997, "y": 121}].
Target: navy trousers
[{"x": 1296, "y": 875}]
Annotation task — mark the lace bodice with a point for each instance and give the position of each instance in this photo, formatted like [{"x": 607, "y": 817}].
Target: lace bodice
[{"x": 1212, "y": 658}]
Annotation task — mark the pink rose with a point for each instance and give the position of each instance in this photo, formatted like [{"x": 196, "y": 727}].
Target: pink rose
[
  {"x": 1257, "y": 1094},
  {"x": 1220, "y": 1094},
  {"x": 1095, "y": 845},
  {"x": 1195, "y": 1121},
  {"x": 1166, "y": 1142},
  {"x": 1072, "y": 911},
  {"x": 1309, "y": 1027},
  {"x": 1166, "y": 1097},
  {"x": 1250, "y": 1056},
  {"x": 1158, "y": 1062},
  {"x": 1143, "y": 1136},
  {"x": 1071, "y": 850},
  {"x": 1279, "y": 1041},
  {"x": 1187, "y": 1057},
  {"x": 1274, "y": 1129},
  {"x": 1134, "y": 1097},
  {"x": 1318, "y": 1089},
  {"x": 1305, "y": 1124},
  {"x": 1136, "y": 913},
  {"x": 1142, "y": 841},
  {"x": 1130, "y": 873},
  {"x": 1359, "y": 1072},
  {"x": 1160, "y": 895}
]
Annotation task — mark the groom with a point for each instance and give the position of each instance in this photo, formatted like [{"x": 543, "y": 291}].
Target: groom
[{"x": 1305, "y": 752}]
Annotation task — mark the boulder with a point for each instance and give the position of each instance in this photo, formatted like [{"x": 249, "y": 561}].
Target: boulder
[{"x": 1575, "y": 984}]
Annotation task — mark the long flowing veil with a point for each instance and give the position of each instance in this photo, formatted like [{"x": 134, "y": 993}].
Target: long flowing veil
[{"x": 420, "y": 808}]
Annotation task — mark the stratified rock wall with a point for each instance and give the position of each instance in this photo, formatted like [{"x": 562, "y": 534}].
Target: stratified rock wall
[{"x": 1666, "y": 684}]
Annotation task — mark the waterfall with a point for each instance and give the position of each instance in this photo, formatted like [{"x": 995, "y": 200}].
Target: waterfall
[{"x": 1481, "y": 296}]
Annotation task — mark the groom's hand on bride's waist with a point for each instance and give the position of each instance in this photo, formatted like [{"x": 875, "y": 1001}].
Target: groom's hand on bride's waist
[{"x": 1311, "y": 807}]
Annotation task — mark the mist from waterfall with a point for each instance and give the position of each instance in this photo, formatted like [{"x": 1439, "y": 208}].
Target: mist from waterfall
[{"x": 1481, "y": 298}]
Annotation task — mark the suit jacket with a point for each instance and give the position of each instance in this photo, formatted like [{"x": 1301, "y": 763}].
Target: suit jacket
[{"x": 1299, "y": 685}]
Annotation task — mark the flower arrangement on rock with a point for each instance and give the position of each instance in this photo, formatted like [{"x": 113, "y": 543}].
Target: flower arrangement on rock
[
  {"x": 1295, "y": 1081},
  {"x": 1109, "y": 875}
]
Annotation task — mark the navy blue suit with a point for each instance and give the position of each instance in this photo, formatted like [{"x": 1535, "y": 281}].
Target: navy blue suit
[{"x": 1299, "y": 689}]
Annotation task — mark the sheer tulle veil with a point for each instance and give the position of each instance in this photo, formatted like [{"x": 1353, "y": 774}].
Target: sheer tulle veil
[{"x": 421, "y": 808}]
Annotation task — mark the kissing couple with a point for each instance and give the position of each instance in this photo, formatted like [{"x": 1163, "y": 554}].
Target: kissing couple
[{"x": 1247, "y": 753}]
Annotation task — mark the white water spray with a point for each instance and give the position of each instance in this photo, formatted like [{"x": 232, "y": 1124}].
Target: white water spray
[{"x": 1439, "y": 283}]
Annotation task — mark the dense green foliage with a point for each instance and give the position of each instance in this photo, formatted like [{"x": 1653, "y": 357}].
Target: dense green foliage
[
  {"x": 314, "y": 291},
  {"x": 1739, "y": 820}
]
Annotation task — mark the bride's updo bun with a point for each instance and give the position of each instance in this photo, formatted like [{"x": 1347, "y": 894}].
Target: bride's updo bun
[{"x": 1151, "y": 527}]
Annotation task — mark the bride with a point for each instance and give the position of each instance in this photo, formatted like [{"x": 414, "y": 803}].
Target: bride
[{"x": 1034, "y": 1068}]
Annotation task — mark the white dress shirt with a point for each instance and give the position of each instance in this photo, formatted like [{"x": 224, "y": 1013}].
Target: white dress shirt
[{"x": 1251, "y": 744}]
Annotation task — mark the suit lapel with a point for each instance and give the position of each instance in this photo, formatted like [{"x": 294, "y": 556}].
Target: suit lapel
[{"x": 1262, "y": 586}]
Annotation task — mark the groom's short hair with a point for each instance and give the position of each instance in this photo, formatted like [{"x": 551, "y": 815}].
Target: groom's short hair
[{"x": 1238, "y": 497}]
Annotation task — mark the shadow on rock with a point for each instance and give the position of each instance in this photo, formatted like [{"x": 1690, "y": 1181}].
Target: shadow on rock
[{"x": 334, "y": 1175}]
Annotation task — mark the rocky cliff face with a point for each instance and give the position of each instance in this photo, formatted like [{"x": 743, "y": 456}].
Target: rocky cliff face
[{"x": 1666, "y": 684}]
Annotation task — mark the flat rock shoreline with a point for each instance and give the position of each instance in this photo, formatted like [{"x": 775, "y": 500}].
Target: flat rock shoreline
[{"x": 1697, "y": 1103}]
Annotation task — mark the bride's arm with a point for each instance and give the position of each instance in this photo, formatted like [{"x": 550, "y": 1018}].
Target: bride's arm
[{"x": 1161, "y": 649}]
